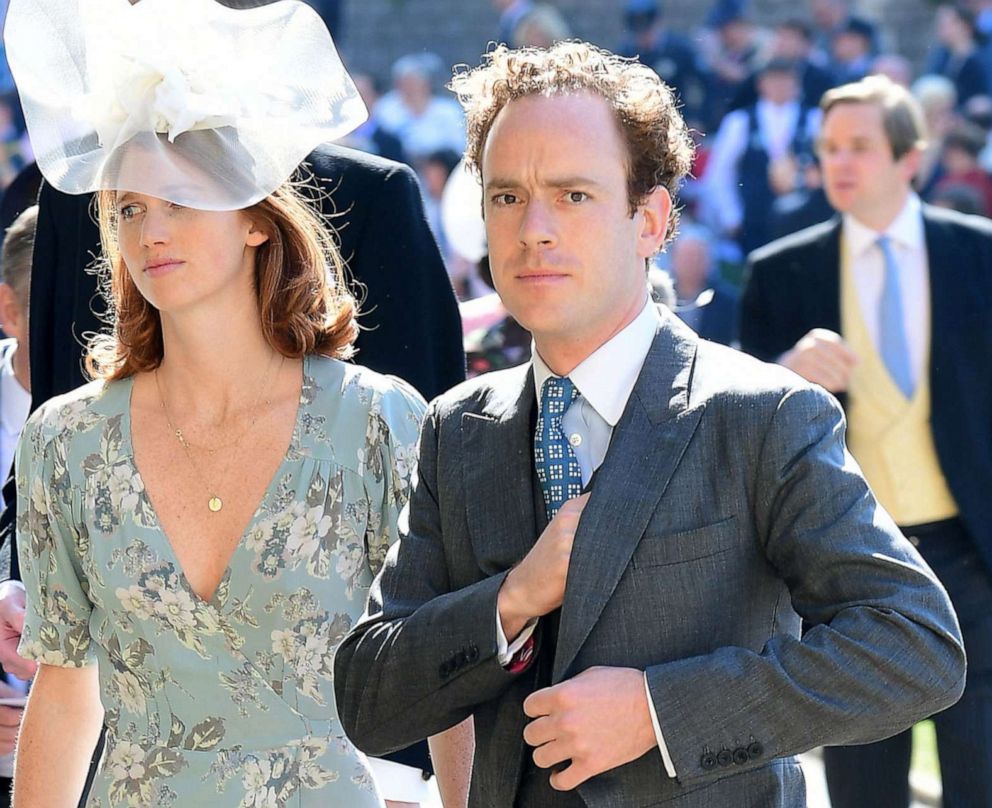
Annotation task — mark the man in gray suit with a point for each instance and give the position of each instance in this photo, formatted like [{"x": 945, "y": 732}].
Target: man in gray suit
[{"x": 637, "y": 643}]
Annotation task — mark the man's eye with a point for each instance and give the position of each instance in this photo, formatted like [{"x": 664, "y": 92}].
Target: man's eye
[
  {"x": 504, "y": 199},
  {"x": 577, "y": 196}
]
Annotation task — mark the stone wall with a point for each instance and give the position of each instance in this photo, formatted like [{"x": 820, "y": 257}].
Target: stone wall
[{"x": 377, "y": 32}]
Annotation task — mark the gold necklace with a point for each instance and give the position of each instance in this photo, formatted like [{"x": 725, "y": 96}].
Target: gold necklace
[{"x": 214, "y": 502}]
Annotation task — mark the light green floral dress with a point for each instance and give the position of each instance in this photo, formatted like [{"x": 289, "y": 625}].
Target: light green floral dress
[{"x": 228, "y": 702}]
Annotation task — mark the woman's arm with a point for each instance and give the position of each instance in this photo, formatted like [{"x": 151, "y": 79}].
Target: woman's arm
[
  {"x": 452, "y": 752},
  {"x": 60, "y": 729}
]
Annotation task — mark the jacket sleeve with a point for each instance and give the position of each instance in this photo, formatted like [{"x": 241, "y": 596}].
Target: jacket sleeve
[{"x": 882, "y": 647}]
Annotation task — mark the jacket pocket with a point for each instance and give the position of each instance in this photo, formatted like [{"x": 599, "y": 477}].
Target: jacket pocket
[{"x": 658, "y": 550}]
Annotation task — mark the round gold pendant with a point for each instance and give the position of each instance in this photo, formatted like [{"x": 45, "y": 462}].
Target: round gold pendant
[{"x": 215, "y": 504}]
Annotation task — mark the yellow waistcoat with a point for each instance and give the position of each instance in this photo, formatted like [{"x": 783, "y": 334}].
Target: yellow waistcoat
[{"x": 888, "y": 435}]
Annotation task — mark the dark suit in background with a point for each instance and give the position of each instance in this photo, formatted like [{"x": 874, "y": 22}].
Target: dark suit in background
[{"x": 794, "y": 287}]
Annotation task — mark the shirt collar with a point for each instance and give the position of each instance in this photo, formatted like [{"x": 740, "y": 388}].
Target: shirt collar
[
  {"x": 606, "y": 377},
  {"x": 15, "y": 401},
  {"x": 906, "y": 229}
]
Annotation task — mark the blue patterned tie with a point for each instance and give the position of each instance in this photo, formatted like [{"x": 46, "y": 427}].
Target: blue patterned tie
[
  {"x": 891, "y": 323},
  {"x": 557, "y": 469}
]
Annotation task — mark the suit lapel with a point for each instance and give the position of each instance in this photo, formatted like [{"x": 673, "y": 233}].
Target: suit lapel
[
  {"x": 498, "y": 463},
  {"x": 941, "y": 254},
  {"x": 822, "y": 279},
  {"x": 647, "y": 446}
]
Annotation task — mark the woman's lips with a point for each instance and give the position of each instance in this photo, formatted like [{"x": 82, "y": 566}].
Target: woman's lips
[{"x": 155, "y": 269}]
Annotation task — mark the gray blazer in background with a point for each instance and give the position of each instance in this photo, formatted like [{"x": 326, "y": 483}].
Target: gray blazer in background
[{"x": 727, "y": 510}]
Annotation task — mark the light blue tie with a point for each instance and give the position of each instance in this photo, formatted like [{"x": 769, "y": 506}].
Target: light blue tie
[
  {"x": 892, "y": 342},
  {"x": 557, "y": 468}
]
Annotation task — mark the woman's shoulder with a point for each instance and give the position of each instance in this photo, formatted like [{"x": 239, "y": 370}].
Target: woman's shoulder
[
  {"x": 357, "y": 391},
  {"x": 79, "y": 411}
]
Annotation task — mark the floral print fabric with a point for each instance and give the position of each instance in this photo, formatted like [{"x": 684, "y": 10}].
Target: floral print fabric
[{"x": 228, "y": 702}]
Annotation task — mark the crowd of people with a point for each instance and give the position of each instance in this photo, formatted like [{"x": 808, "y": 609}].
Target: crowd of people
[{"x": 248, "y": 564}]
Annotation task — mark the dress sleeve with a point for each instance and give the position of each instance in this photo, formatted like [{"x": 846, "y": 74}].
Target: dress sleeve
[
  {"x": 56, "y": 623},
  {"x": 394, "y": 427}
]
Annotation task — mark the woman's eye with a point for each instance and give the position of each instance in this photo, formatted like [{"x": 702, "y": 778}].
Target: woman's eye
[
  {"x": 128, "y": 212},
  {"x": 577, "y": 196}
]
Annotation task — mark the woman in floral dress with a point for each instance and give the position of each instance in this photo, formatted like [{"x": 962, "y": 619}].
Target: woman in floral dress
[{"x": 202, "y": 522}]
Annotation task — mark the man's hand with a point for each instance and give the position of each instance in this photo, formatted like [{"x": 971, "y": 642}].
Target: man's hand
[
  {"x": 11, "y": 626},
  {"x": 822, "y": 357},
  {"x": 536, "y": 586},
  {"x": 10, "y": 720},
  {"x": 599, "y": 720}
]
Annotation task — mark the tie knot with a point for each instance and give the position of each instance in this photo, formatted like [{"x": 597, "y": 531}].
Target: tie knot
[{"x": 557, "y": 394}]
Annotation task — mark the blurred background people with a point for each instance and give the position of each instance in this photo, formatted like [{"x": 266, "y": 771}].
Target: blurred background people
[
  {"x": 15, "y": 405},
  {"x": 649, "y": 38},
  {"x": 372, "y": 137},
  {"x": 702, "y": 300},
  {"x": 957, "y": 56},
  {"x": 852, "y": 50},
  {"x": 511, "y": 12},
  {"x": 792, "y": 41},
  {"x": 937, "y": 99},
  {"x": 541, "y": 27},
  {"x": 423, "y": 120},
  {"x": 755, "y": 157}
]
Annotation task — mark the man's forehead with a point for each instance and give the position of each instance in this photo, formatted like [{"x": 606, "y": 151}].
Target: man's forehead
[
  {"x": 858, "y": 117},
  {"x": 576, "y": 118}
]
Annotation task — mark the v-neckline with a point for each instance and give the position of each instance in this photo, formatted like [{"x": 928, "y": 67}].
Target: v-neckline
[{"x": 291, "y": 450}]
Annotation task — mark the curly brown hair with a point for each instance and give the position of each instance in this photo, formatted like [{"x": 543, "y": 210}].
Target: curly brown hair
[
  {"x": 303, "y": 297},
  {"x": 658, "y": 145}
]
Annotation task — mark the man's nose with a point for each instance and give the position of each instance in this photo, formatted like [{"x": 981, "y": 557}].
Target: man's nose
[{"x": 538, "y": 228}]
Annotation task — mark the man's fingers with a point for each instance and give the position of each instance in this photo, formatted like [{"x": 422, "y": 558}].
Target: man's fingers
[
  {"x": 538, "y": 703},
  {"x": 13, "y": 662},
  {"x": 550, "y": 755},
  {"x": 539, "y": 731},
  {"x": 10, "y": 719},
  {"x": 571, "y": 777}
]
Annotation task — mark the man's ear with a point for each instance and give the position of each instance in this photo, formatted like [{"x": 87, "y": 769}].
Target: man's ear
[
  {"x": 655, "y": 212},
  {"x": 911, "y": 162},
  {"x": 10, "y": 311}
]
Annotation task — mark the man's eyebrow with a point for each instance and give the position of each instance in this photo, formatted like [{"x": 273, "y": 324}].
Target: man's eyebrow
[{"x": 575, "y": 181}]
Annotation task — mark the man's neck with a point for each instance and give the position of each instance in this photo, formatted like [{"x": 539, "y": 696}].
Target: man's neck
[
  {"x": 563, "y": 353},
  {"x": 881, "y": 219},
  {"x": 19, "y": 362}
]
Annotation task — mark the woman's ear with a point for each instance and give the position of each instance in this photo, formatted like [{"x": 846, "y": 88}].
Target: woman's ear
[{"x": 256, "y": 236}]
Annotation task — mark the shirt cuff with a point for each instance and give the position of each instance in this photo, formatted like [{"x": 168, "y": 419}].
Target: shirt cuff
[
  {"x": 666, "y": 758},
  {"x": 398, "y": 782},
  {"x": 505, "y": 650}
]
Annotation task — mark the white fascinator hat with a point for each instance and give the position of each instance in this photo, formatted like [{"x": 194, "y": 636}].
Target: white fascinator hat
[{"x": 190, "y": 101}]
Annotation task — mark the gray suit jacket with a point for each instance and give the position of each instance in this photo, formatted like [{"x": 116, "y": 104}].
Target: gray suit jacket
[{"x": 726, "y": 510}]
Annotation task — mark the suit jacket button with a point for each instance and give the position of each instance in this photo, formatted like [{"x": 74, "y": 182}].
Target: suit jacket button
[
  {"x": 755, "y": 750},
  {"x": 461, "y": 658},
  {"x": 473, "y": 653},
  {"x": 741, "y": 756},
  {"x": 708, "y": 761},
  {"x": 725, "y": 758},
  {"x": 444, "y": 671}
]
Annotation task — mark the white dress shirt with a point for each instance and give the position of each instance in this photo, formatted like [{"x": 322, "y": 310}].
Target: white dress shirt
[
  {"x": 15, "y": 406},
  {"x": 861, "y": 251},
  {"x": 604, "y": 380}
]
